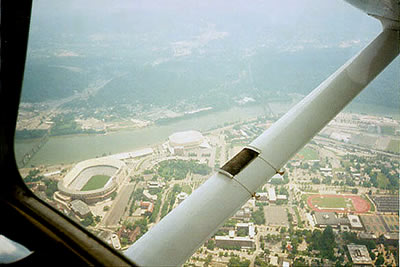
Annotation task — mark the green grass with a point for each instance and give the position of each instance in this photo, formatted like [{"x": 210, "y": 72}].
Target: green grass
[
  {"x": 383, "y": 181},
  {"x": 299, "y": 222},
  {"x": 370, "y": 203},
  {"x": 96, "y": 182},
  {"x": 330, "y": 202},
  {"x": 307, "y": 154},
  {"x": 187, "y": 189},
  {"x": 394, "y": 146}
]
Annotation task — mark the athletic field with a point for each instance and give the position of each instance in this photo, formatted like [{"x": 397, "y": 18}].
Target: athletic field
[
  {"x": 96, "y": 182},
  {"x": 338, "y": 203}
]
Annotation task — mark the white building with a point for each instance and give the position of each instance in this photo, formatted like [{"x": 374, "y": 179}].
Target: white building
[
  {"x": 281, "y": 197},
  {"x": 355, "y": 222},
  {"x": 186, "y": 139},
  {"x": 181, "y": 197},
  {"x": 271, "y": 194},
  {"x": 359, "y": 255},
  {"x": 149, "y": 196}
]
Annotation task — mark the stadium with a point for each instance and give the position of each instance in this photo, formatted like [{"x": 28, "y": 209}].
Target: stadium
[
  {"x": 186, "y": 139},
  {"x": 93, "y": 180},
  {"x": 338, "y": 203}
]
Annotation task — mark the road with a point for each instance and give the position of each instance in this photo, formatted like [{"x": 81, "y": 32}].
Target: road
[
  {"x": 328, "y": 141},
  {"x": 119, "y": 205}
]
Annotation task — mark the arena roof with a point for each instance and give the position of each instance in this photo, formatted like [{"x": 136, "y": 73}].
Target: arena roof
[{"x": 186, "y": 139}]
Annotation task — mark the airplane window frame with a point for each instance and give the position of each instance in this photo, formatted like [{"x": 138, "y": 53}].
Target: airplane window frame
[{"x": 29, "y": 220}]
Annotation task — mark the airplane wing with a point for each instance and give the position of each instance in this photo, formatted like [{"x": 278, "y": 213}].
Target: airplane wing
[{"x": 175, "y": 238}]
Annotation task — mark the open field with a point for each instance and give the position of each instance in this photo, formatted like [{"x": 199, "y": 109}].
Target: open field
[
  {"x": 96, "y": 182},
  {"x": 276, "y": 216},
  {"x": 394, "y": 146},
  {"x": 331, "y": 202},
  {"x": 338, "y": 203},
  {"x": 307, "y": 153}
]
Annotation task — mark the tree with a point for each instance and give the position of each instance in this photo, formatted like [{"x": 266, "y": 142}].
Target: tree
[
  {"x": 315, "y": 181},
  {"x": 380, "y": 260},
  {"x": 88, "y": 220},
  {"x": 210, "y": 244},
  {"x": 51, "y": 187},
  {"x": 258, "y": 216},
  {"x": 324, "y": 242},
  {"x": 208, "y": 260},
  {"x": 235, "y": 262}
]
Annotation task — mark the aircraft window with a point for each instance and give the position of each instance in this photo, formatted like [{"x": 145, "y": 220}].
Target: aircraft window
[
  {"x": 239, "y": 161},
  {"x": 127, "y": 107}
]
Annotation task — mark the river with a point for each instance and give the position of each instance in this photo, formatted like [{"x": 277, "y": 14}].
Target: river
[{"x": 75, "y": 148}]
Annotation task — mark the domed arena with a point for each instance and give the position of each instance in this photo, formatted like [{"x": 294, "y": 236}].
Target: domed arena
[{"x": 186, "y": 139}]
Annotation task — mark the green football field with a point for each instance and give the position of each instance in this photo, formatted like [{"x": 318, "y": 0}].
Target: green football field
[
  {"x": 96, "y": 182},
  {"x": 331, "y": 202}
]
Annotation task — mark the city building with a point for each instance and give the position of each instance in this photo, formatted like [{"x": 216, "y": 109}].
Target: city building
[
  {"x": 128, "y": 234},
  {"x": 281, "y": 197},
  {"x": 359, "y": 255},
  {"x": 80, "y": 208},
  {"x": 149, "y": 196},
  {"x": 249, "y": 227},
  {"x": 271, "y": 194},
  {"x": 236, "y": 241},
  {"x": 390, "y": 239},
  {"x": 146, "y": 207},
  {"x": 263, "y": 196},
  {"x": 243, "y": 214},
  {"x": 155, "y": 185},
  {"x": 273, "y": 260},
  {"x": 323, "y": 219},
  {"x": 367, "y": 236},
  {"x": 355, "y": 222}
]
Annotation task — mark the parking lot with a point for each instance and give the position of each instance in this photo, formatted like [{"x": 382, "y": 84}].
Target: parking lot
[{"x": 276, "y": 216}]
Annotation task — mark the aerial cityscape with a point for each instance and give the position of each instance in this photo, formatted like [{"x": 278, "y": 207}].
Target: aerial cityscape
[
  {"x": 127, "y": 109},
  {"x": 342, "y": 189}
]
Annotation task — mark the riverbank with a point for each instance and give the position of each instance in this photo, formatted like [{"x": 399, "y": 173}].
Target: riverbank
[{"x": 75, "y": 148}]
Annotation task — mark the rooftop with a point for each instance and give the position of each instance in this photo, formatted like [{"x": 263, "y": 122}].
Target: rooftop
[
  {"x": 359, "y": 254},
  {"x": 326, "y": 218}
]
